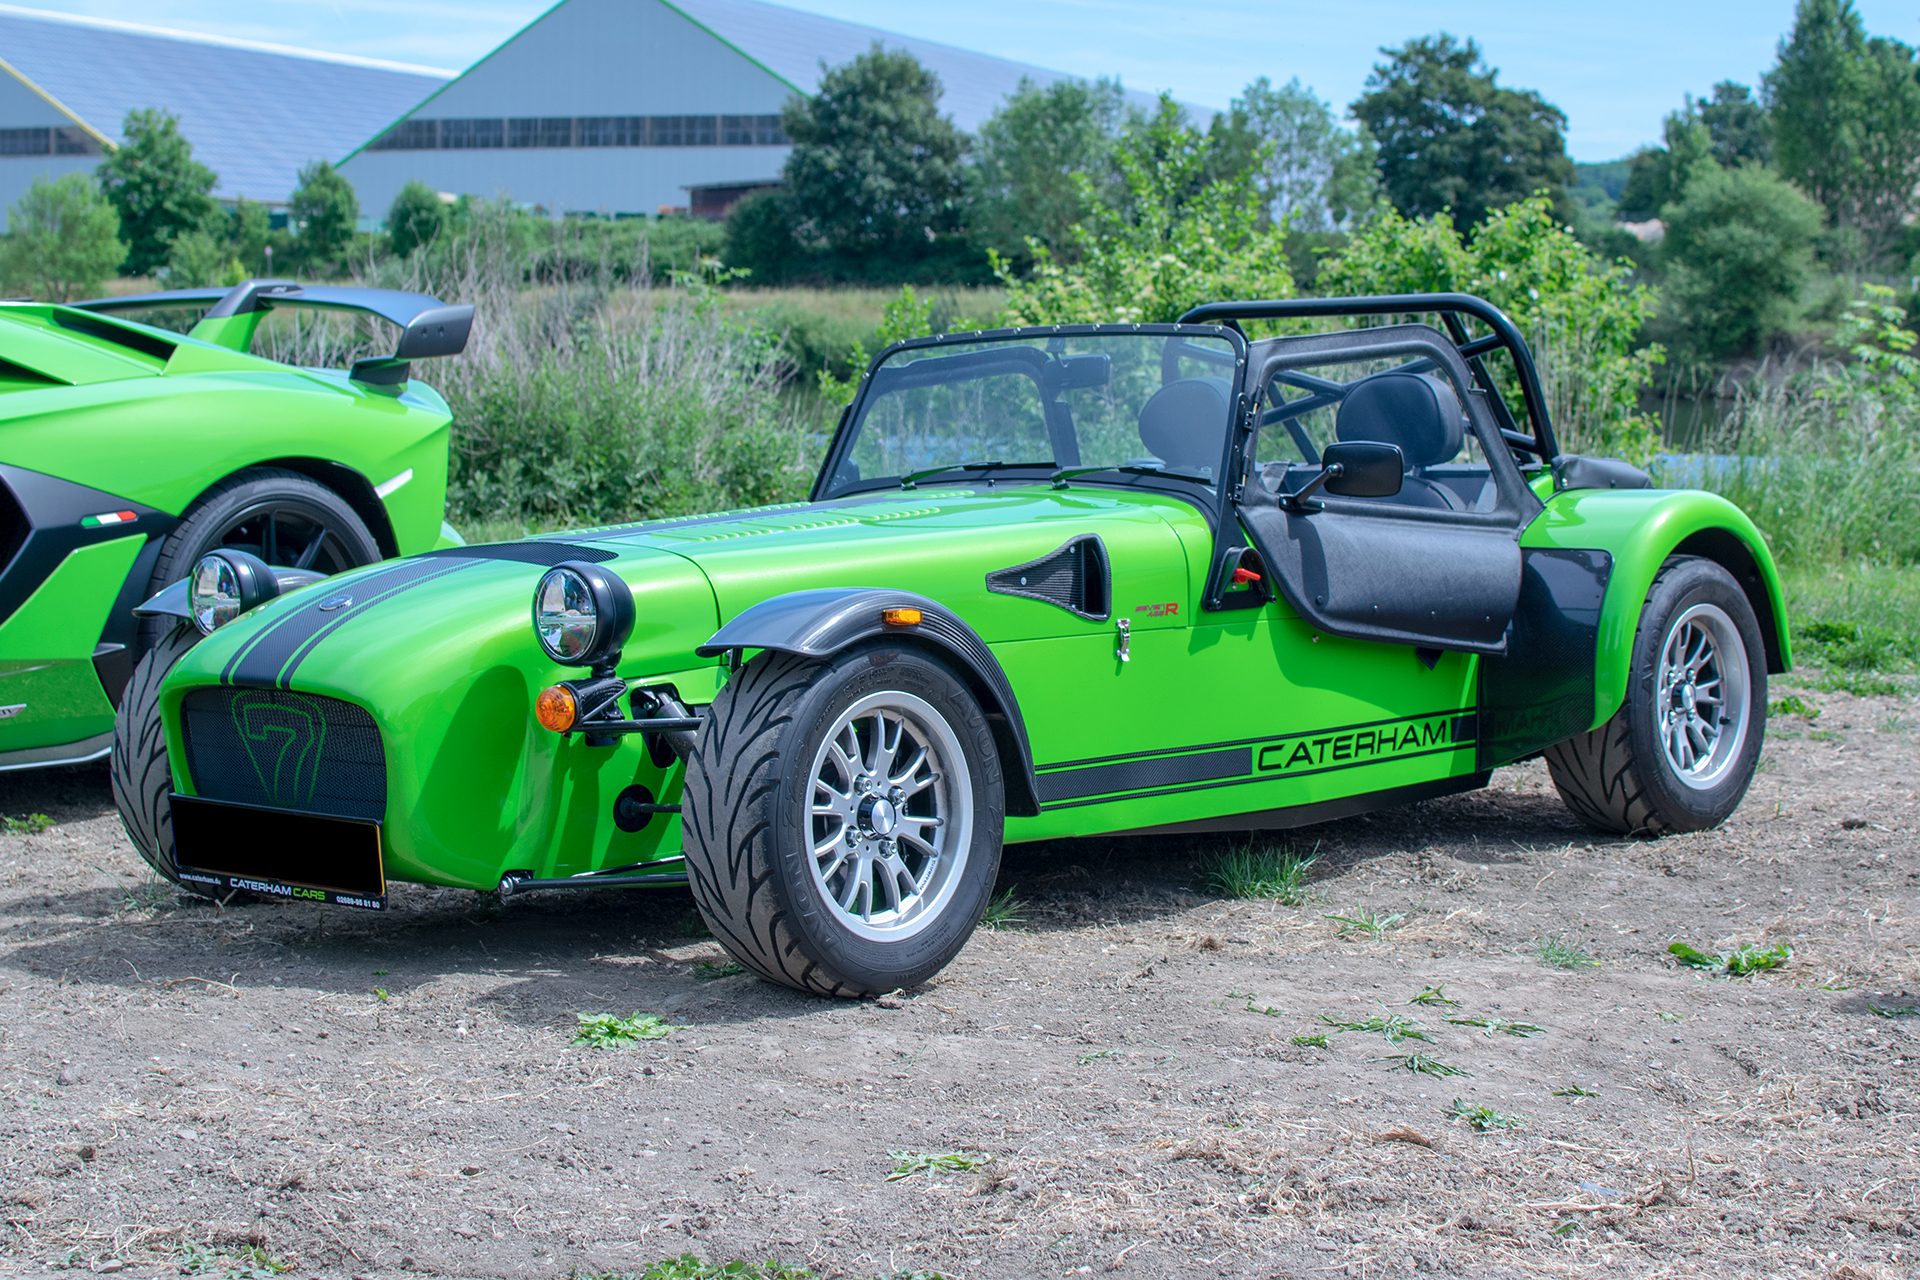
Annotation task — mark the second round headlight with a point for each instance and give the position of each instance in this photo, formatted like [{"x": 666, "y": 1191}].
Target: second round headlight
[
  {"x": 582, "y": 614},
  {"x": 225, "y": 584}
]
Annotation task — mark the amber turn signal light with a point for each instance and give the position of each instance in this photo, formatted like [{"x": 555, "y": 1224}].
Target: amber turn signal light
[
  {"x": 556, "y": 708},
  {"x": 900, "y": 617}
]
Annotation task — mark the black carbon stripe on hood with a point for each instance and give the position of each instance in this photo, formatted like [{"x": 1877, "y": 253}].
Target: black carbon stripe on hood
[
  {"x": 547, "y": 554},
  {"x": 269, "y": 659}
]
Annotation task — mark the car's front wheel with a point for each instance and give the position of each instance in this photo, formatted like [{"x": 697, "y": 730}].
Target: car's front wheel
[
  {"x": 843, "y": 818},
  {"x": 142, "y": 777},
  {"x": 1681, "y": 751}
]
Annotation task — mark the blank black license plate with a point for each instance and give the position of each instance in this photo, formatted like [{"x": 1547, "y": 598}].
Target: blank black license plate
[{"x": 281, "y": 853}]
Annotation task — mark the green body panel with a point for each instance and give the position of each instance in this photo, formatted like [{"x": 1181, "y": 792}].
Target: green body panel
[
  {"x": 157, "y": 419},
  {"x": 1640, "y": 528},
  {"x": 46, "y": 650}
]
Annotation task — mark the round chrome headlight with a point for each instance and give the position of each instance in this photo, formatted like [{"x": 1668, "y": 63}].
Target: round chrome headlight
[
  {"x": 225, "y": 584},
  {"x": 582, "y": 614}
]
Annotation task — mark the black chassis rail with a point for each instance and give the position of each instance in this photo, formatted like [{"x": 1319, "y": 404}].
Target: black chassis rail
[{"x": 1454, "y": 310}]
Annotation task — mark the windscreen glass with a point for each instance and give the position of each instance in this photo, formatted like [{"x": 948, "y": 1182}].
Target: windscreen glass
[{"x": 1150, "y": 402}]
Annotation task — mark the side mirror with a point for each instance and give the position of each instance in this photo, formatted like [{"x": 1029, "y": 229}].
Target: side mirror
[
  {"x": 1367, "y": 469},
  {"x": 1352, "y": 469}
]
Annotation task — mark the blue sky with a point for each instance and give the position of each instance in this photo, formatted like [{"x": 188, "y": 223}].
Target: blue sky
[{"x": 1615, "y": 68}]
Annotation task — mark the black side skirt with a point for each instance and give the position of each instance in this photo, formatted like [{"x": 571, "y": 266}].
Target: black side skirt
[{"x": 1303, "y": 815}]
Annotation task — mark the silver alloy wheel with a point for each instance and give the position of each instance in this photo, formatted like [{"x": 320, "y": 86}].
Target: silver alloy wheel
[
  {"x": 1701, "y": 696},
  {"x": 890, "y": 816}
]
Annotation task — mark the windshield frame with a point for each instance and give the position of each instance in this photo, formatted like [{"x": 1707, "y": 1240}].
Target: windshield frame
[{"x": 1211, "y": 498}]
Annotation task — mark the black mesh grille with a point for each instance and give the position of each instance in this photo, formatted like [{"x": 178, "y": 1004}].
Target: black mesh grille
[{"x": 285, "y": 751}]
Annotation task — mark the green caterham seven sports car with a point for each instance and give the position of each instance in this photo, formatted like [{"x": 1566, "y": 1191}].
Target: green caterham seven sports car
[
  {"x": 128, "y": 452},
  {"x": 1050, "y": 582}
]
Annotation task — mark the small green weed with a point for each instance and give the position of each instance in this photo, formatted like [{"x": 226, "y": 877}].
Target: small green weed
[
  {"x": 605, "y": 1031},
  {"x": 31, "y": 824},
  {"x": 1888, "y": 1005},
  {"x": 1575, "y": 1091},
  {"x": 707, "y": 970},
  {"x": 1421, "y": 1063},
  {"x": 1505, "y": 1027},
  {"x": 1266, "y": 1011},
  {"x": 1433, "y": 995},
  {"x": 688, "y": 1267},
  {"x": 1792, "y": 705},
  {"x": 1276, "y": 873},
  {"x": 1560, "y": 953},
  {"x": 1395, "y": 1027},
  {"x": 1367, "y": 921},
  {"x": 1318, "y": 1041},
  {"x": 1484, "y": 1119},
  {"x": 379, "y": 973},
  {"x": 150, "y": 894},
  {"x": 1738, "y": 963},
  {"x": 1664, "y": 1016},
  {"x": 253, "y": 1263},
  {"x": 1004, "y": 912},
  {"x": 1096, "y": 1055},
  {"x": 908, "y": 1163},
  {"x": 381, "y": 994}
]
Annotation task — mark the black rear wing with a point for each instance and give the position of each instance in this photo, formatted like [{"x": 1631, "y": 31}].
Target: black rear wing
[
  {"x": 1454, "y": 310},
  {"x": 428, "y": 326}
]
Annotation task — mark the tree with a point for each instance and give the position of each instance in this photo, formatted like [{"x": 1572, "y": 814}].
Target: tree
[
  {"x": 326, "y": 211},
  {"x": 1021, "y": 180},
  {"x": 1736, "y": 122},
  {"x": 200, "y": 258},
  {"x": 251, "y": 231},
  {"x": 1581, "y": 314},
  {"x": 61, "y": 240},
  {"x": 156, "y": 186},
  {"x": 1175, "y": 238},
  {"x": 1316, "y": 176},
  {"x": 1657, "y": 175},
  {"x": 1845, "y": 113},
  {"x": 416, "y": 216},
  {"x": 1451, "y": 138},
  {"x": 875, "y": 166},
  {"x": 759, "y": 235},
  {"x": 1739, "y": 244}
]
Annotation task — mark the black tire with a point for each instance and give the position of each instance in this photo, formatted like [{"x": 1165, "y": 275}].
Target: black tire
[
  {"x": 142, "y": 779},
  {"x": 1624, "y": 776},
  {"x": 281, "y": 516},
  {"x": 752, "y": 824}
]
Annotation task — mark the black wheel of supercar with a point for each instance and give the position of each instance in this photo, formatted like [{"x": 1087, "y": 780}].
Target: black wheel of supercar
[
  {"x": 138, "y": 768},
  {"x": 1680, "y": 752},
  {"x": 843, "y": 818},
  {"x": 281, "y": 516}
]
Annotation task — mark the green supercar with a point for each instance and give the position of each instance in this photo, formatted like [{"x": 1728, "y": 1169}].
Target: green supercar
[
  {"x": 1050, "y": 582},
  {"x": 128, "y": 452}
]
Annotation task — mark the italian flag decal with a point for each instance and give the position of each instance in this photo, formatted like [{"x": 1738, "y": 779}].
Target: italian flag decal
[{"x": 111, "y": 517}]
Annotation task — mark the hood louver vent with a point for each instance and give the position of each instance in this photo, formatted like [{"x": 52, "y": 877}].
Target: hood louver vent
[{"x": 1077, "y": 577}]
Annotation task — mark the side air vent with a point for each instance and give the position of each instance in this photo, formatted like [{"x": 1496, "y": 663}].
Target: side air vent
[
  {"x": 13, "y": 526},
  {"x": 1077, "y": 577}
]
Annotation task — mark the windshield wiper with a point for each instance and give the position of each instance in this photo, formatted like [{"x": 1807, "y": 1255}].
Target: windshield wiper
[
  {"x": 1065, "y": 474},
  {"x": 912, "y": 479}
]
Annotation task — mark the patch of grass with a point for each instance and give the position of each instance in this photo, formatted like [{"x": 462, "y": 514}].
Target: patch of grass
[
  {"x": 1395, "y": 1027},
  {"x": 253, "y": 1263},
  {"x": 1575, "y": 1091},
  {"x": 150, "y": 894},
  {"x": 1484, "y": 1119},
  {"x": 1434, "y": 995},
  {"x": 1367, "y": 921},
  {"x": 381, "y": 994},
  {"x": 1738, "y": 963},
  {"x": 1503, "y": 1026},
  {"x": 1793, "y": 705},
  {"x": 1421, "y": 1063},
  {"x": 1664, "y": 1016},
  {"x": 1274, "y": 873},
  {"x": 30, "y": 824},
  {"x": 908, "y": 1163},
  {"x": 1318, "y": 1041},
  {"x": 708, "y": 970},
  {"x": 1887, "y": 1005},
  {"x": 1561, "y": 953},
  {"x": 688, "y": 1267},
  {"x": 1005, "y": 911},
  {"x": 605, "y": 1031},
  {"x": 1096, "y": 1055}
]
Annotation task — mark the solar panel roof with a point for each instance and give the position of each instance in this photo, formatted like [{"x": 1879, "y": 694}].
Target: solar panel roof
[{"x": 254, "y": 114}]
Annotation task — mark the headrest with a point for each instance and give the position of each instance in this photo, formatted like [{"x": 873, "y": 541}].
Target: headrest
[
  {"x": 1417, "y": 411},
  {"x": 1184, "y": 423}
]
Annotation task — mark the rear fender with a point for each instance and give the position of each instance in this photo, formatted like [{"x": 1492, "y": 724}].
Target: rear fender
[
  {"x": 1640, "y": 529},
  {"x": 823, "y": 622}
]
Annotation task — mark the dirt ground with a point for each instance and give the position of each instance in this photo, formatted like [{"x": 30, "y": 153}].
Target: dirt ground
[{"x": 187, "y": 1088}]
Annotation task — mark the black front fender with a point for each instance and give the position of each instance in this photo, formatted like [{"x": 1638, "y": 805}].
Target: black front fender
[{"x": 820, "y": 623}]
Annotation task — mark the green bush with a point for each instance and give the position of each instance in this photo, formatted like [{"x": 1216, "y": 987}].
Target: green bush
[
  {"x": 1739, "y": 247},
  {"x": 61, "y": 240}
]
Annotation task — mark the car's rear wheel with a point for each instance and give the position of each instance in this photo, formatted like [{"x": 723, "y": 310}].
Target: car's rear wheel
[
  {"x": 843, "y": 819},
  {"x": 281, "y": 516},
  {"x": 141, "y": 776},
  {"x": 1681, "y": 751}
]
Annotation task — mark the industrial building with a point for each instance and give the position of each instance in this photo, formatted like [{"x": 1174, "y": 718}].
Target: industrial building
[
  {"x": 254, "y": 113},
  {"x": 618, "y": 107}
]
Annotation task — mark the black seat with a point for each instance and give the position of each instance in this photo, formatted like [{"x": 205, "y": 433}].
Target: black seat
[
  {"x": 1420, "y": 414},
  {"x": 1184, "y": 423}
]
